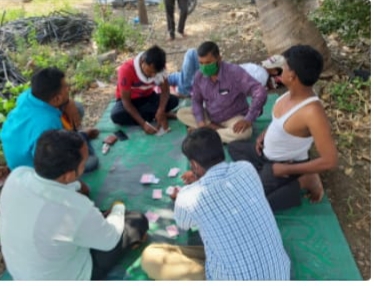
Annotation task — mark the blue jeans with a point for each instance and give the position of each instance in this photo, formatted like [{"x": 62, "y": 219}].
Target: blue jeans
[
  {"x": 184, "y": 79},
  {"x": 93, "y": 161}
]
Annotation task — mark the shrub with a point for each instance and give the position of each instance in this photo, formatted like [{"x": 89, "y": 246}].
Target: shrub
[{"x": 349, "y": 18}]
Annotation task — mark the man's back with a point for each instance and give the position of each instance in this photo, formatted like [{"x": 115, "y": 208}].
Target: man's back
[
  {"x": 238, "y": 229},
  {"x": 23, "y": 127},
  {"x": 39, "y": 222}
]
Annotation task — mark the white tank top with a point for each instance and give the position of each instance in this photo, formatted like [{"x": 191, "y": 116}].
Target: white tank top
[{"x": 282, "y": 146}]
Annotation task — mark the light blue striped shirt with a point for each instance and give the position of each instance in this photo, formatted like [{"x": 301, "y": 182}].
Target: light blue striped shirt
[{"x": 240, "y": 235}]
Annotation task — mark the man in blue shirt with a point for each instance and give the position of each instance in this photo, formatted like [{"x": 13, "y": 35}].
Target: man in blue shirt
[
  {"x": 38, "y": 109},
  {"x": 227, "y": 204}
]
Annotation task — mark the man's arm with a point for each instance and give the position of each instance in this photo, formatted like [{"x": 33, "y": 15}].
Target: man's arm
[
  {"x": 319, "y": 128},
  {"x": 130, "y": 108},
  {"x": 164, "y": 98},
  {"x": 102, "y": 233},
  {"x": 259, "y": 96},
  {"x": 197, "y": 103},
  {"x": 181, "y": 213},
  {"x": 258, "y": 92}
]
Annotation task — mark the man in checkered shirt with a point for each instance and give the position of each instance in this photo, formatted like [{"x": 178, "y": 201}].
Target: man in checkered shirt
[{"x": 228, "y": 205}]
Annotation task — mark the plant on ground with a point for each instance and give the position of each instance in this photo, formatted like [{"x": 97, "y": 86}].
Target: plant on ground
[
  {"x": 351, "y": 95},
  {"x": 349, "y": 18},
  {"x": 116, "y": 33},
  {"x": 113, "y": 32},
  {"x": 87, "y": 70}
]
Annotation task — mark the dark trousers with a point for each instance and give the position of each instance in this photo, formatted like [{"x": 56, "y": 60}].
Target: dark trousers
[
  {"x": 136, "y": 226},
  {"x": 92, "y": 161},
  {"x": 281, "y": 192},
  {"x": 170, "y": 7},
  {"x": 146, "y": 106}
]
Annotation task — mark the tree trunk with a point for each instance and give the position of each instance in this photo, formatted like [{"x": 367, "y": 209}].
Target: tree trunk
[
  {"x": 283, "y": 26},
  {"x": 306, "y": 6},
  {"x": 142, "y": 11}
]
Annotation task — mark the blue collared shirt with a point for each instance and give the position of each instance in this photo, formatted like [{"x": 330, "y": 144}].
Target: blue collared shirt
[
  {"x": 227, "y": 97},
  {"x": 240, "y": 235},
  {"x": 23, "y": 127}
]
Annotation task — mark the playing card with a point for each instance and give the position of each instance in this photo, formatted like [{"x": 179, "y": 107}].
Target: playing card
[
  {"x": 170, "y": 190},
  {"x": 157, "y": 194},
  {"x": 149, "y": 179},
  {"x": 162, "y": 131},
  {"x": 172, "y": 230},
  {"x": 146, "y": 178},
  {"x": 152, "y": 217},
  {"x": 173, "y": 172}
]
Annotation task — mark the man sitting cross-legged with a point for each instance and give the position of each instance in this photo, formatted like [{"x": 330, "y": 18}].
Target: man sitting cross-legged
[
  {"x": 136, "y": 100},
  {"x": 219, "y": 97},
  {"x": 228, "y": 206},
  {"x": 280, "y": 153},
  {"x": 48, "y": 230}
]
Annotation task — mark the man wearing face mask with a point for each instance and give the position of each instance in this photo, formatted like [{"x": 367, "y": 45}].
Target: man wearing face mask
[
  {"x": 38, "y": 109},
  {"x": 219, "y": 97},
  {"x": 136, "y": 100}
]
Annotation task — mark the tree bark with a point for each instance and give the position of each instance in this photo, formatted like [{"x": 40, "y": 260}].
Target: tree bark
[
  {"x": 283, "y": 25},
  {"x": 142, "y": 12}
]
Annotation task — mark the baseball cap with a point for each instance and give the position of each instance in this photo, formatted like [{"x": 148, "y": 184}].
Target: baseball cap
[{"x": 275, "y": 61}]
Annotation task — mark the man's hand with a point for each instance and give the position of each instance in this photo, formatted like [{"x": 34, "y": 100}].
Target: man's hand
[
  {"x": 161, "y": 119},
  {"x": 280, "y": 170},
  {"x": 241, "y": 126},
  {"x": 189, "y": 177},
  {"x": 148, "y": 128},
  {"x": 72, "y": 113},
  {"x": 201, "y": 124},
  {"x": 260, "y": 143}
]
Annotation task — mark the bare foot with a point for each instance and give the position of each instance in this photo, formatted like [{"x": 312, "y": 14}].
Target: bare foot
[
  {"x": 312, "y": 183},
  {"x": 184, "y": 35},
  {"x": 171, "y": 115},
  {"x": 92, "y": 133}
]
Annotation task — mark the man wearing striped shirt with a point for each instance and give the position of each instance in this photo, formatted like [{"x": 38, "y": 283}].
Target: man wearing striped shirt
[{"x": 228, "y": 205}]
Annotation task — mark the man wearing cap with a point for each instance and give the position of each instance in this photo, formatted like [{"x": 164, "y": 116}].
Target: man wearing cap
[
  {"x": 219, "y": 97},
  {"x": 268, "y": 74}
]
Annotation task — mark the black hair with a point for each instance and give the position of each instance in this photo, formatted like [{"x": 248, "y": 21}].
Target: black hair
[
  {"x": 208, "y": 47},
  {"x": 46, "y": 83},
  {"x": 155, "y": 56},
  {"x": 279, "y": 71},
  {"x": 204, "y": 146},
  {"x": 57, "y": 152},
  {"x": 306, "y": 62}
]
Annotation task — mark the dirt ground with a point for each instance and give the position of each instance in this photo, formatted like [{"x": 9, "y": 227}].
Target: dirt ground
[{"x": 233, "y": 25}]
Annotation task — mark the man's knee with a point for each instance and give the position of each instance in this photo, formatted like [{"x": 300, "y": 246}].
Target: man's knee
[
  {"x": 172, "y": 103},
  {"x": 184, "y": 115},
  {"x": 229, "y": 136}
]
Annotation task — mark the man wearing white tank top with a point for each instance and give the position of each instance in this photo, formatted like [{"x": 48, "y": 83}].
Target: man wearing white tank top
[{"x": 280, "y": 153}]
